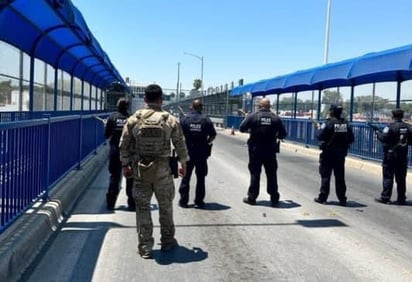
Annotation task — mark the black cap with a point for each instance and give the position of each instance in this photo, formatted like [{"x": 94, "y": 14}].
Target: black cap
[
  {"x": 336, "y": 109},
  {"x": 397, "y": 113}
]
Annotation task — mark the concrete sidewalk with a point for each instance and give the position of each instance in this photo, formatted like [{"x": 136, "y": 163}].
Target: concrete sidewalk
[{"x": 22, "y": 241}]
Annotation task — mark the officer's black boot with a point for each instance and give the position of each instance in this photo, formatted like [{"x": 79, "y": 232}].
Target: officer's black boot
[
  {"x": 131, "y": 204},
  {"x": 111, "y": 198}
]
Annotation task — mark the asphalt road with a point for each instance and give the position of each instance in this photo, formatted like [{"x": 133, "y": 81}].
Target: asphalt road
[{"x": 230, "y": 241}]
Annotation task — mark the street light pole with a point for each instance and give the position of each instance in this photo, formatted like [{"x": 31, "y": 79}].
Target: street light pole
[
  {"x": 327, "y": 29},
  {"x": 178, "y": 81},
  {"x": 201, "y": 68}
]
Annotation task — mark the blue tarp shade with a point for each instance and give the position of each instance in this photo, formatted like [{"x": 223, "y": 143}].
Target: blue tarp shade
[
  {"x": 390, "y": 65},
  {"x": 55, "y": 32},
  {"x": 259, "y": 87},
  {"x": 298, "y": 81}
]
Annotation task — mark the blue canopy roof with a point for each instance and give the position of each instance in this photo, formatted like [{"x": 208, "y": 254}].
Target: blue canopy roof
[
  {"x": 55, "y": 32},
  {"x": 390, "y": 65}
]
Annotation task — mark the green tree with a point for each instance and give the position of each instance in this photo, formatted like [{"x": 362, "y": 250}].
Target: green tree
[
  {"x": 367, "y": 104},
  {"x": 197, "y": 84},
  {"x": 5, "y": 92},
  {"x": 330, "y": 97},
  {"x": 286, "y": 103}
]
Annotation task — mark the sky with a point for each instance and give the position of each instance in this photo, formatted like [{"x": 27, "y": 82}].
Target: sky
[{"x": 239, "y": 39}]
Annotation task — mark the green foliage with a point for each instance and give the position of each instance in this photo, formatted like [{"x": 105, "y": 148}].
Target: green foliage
[
  {"x": 197, "y": 84},
  {"x": 368, "y": 104},
  {"x": 5, "y": 91},
  {"x": 331, "y": 97}
]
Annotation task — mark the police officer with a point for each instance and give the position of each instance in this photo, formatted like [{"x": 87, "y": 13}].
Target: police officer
[
  {"x": 265, "y": 128},
  {"x": 199, "y": 133},
  {"x": 395, "y": 139},
  {"x": 335, "y": 137},
  {"x": 145, "y": 148},
  {"x": 113, "y": 130}
]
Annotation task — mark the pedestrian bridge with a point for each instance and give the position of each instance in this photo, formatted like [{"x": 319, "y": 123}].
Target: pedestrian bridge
[
  {"x": 56, "y": 127},
  {"x": 70, "y": 236}
]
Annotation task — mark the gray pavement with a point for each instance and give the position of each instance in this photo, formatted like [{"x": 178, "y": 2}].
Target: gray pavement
[{"x": 22, "y": 242}]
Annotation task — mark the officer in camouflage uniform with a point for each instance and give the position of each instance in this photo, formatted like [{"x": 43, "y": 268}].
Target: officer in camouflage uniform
[
  {"x": 395, "y": 139},
  {"x": 145, "y": 147},
  {"x": 335, "y": 137},
  {"x": 113, "y": 130}
]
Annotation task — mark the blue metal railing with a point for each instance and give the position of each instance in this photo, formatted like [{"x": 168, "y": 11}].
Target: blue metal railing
[
  {"x": 27, "y": 115},
  {"x": 366, "y": 145},
  {"x": 36, "y": 154}
]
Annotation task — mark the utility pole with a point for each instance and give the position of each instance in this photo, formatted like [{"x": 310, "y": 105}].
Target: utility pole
[
  {"x": 178, "y": 82},
  {"x": 326, "y": 51},
  {"x": 201, "y": 68}
]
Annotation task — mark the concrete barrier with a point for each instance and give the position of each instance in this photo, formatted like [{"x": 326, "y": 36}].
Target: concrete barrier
[
  {"x": 218, "y": 122},
  {"x": 21, "y": 242}
]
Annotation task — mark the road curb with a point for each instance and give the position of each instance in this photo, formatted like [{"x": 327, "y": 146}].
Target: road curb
[{"x": 22, "y": 241}]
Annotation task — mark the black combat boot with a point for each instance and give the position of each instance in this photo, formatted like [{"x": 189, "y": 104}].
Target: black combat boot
[{"x": 111, "y": 198}]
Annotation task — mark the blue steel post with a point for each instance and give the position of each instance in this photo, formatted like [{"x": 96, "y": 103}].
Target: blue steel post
[
  {"x": 90, "y": 97},
  {"x": 48, "y": 149},
  {"x": 79, "y": 164},
  {"x": 71, "y": 91},
  {"x": 56, "y": 85},
  {"x": 319, "y": 104},
  {"x": 82, "y": 99},
  {"x": 398, "y": 93},
  {"x": 31, "y": 87},
  {"x": 352, "y": 94},
  {"x": 95, "y": 135},
  {"x": 295, "y": 102},
  {"x": 277, "y": 103}
]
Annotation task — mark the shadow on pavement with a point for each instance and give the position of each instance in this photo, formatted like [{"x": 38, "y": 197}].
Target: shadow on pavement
[
  {"x": 215, "y": 207},
  {"x": 210, "y": 206},
  {"x": 283, "y": 204},
  {"x": 179, "y": 254},
  {"x": 313, "y": 223},
  {"x": 349, "y": 204}
]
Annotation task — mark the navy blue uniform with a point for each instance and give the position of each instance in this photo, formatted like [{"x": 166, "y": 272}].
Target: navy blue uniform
[
  {"x": 199, "y": 131},
  {"x": 395, "y": 139},
  {"x": 335, "y": 137},
  {"x": 265, "y": 129},
  {"x": 113, "y": 130}
]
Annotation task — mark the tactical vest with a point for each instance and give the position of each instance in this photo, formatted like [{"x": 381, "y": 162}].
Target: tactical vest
[
  {"x": 339, "y": 137},
  {"x": 195, "y": 130},
  {"x": 403, "y": 136},
  {"x": 151, "y": 133},
  {"x": 264, "y": 132},
  {"x": 119, "y": 121}
]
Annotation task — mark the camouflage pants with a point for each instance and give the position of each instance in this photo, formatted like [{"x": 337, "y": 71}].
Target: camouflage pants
[{"x": 155, "y": 178}]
